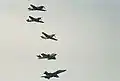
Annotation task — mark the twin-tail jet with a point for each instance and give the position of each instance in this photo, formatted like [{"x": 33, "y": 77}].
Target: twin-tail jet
[
  {"x": 33, "y": 19},
  {"x": 47, "y": 56},
  {"x": 38, "y": 8},
  {"x": 54, "y": 74},
  {"x": 46, "y": 36}
]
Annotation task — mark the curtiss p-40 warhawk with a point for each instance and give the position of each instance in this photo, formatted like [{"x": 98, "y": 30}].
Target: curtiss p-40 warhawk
[
  {"x": 46, "y": 36},
  {"x": 47, "y": 56},
  {"x": 54, "y": 74},
  {"x": 33, "y": 19},
  {"x": 39, "y": 8}
]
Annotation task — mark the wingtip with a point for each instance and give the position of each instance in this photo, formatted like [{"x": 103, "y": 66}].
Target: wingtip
[
  {"x": 31, "y": 4},
  {"x": 55, "y": 54},
  {"x": 29, "y": 16},
  {"x": 42, "y": 31},
  {"x": 41, "y": 22},
  {"x": 42, "y": 76}
]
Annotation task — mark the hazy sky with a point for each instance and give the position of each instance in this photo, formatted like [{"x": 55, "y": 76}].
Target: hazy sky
[{"x": 88, "y": 45}]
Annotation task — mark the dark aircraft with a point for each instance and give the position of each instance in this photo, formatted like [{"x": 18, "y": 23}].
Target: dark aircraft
[
  {"x": 39, "y": 8},
  {"x": 47, "y": 56},
  {"x": 54, "y": 74},
  {"x": 32, "y": 19},
  {"x": 48, "y": 36}
]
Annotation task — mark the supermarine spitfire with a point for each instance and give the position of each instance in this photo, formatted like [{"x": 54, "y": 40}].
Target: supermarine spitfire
[
  {"x": 38, "y": 8},
  {"x": 33, "y": 19},
  {"x": 48, "y": 36},
  {"x": 54, "y": 74},
  {"x": 47, "y": 56}
]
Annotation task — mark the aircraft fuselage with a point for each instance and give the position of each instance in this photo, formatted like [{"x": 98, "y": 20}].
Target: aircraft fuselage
[{"x": 52, "y": 75}]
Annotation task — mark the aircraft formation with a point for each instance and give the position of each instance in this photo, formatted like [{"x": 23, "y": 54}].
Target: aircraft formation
[{"x": 52, "y": 56}]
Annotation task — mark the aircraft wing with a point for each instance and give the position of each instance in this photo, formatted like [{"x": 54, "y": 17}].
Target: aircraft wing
[
  {"x": 31, "y": 17},
  {"x": 34, "y": 7},
  {"x": 41, "y": 7},
  {"x": 44, "y": 34},
  {"x": 54, "y": 39},
  {"x": 41, "y": 21},
  {"x": 53, "y": 54},
  {"x": 59, "y": 71},
  {"x": 43, "y": 10},
  {"x": 44, "y": 55},
  {"x": 39, "y": 18}
]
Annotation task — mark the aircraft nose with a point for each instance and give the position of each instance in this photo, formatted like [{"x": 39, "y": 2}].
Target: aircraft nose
[
  {"x": 64, "y": 70},
  {"x": 55, "y": 54}
]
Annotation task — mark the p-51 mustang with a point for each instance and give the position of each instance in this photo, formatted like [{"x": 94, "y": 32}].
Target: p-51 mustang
[
  {"x": 54, "y": 74},
  {"x": 32, "y": 19},
  {"x": 39, "y": 8},
  {"x": 48, "y": 36},
  {"x": 47, "y": 56}
]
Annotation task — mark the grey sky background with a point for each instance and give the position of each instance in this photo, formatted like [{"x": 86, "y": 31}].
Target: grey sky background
[{"x": 88, "y": 45}]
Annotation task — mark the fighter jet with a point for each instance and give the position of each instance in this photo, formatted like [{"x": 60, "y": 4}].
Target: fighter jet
[
  {"x": 48, "y": 36},
  {"x": 39, "y": 8},
  {"x": 54, "y": 74},
  {"x": 47, "y": 56},
  {"x": 32, "y": 19}
]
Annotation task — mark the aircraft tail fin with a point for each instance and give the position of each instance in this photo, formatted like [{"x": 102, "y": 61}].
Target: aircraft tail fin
[
  {"x": 38, "y": 55},
  {"x": 54, "y": 58},
  {"x": 29, "y": 20},
  {"x": 46, "y": 72},
  {"x": 53, "y": 35}
]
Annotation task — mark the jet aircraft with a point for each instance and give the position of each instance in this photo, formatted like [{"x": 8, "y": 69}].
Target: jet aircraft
[
  {"x": 39, "y": 8},
  {"x": 47, "y": 56},
  {"x": 48, "y": 36},
  {"x": 32, "y": 19},
  {"x": 54, "y": 74}
]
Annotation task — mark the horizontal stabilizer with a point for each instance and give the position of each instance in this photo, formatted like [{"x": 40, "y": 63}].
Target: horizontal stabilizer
[
  {"x": 46, "y": 72},
  {"x": 29, "y": 20},
  {"x": 43, "y": 37},
  {"x": 46, "y": 77},
  {"x": 30, "y": 9}
]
